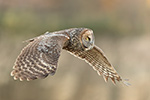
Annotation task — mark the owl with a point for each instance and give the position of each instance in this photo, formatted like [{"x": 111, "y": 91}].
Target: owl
[{"x": 40, "y": 57}]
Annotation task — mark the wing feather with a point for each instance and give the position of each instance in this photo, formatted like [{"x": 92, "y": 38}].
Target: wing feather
[
  {"x": 96, "y": 58},
  {"x": 39, "y": 58}
]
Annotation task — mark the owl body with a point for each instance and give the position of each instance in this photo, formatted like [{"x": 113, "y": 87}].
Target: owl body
[
  {"x": 40, "y": 57},
  {"x": 73, "y": 34}
]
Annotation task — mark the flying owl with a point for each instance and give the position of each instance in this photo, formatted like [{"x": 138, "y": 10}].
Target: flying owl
[{"x": 40, "y": 57}]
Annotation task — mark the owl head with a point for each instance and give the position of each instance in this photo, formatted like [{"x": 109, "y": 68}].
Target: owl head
[{"x": 87, "y": 39}]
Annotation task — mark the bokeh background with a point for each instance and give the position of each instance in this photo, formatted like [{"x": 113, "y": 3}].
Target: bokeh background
[{"x": 121, "y": 28}]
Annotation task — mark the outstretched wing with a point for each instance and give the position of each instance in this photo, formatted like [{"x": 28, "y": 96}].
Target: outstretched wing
[
  {"x": 96, "y": 58},
  {"x": 39, "y": 58}
]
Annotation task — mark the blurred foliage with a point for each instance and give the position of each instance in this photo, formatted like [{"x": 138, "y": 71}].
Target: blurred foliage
[
  {"x": 102, "y": 19},
  {"x": 21, "y": 22}
]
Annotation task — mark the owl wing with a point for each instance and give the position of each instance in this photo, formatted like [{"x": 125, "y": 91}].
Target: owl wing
[
  {"x": 39, "y": 58},
  {"x": 96, "y": 58}
]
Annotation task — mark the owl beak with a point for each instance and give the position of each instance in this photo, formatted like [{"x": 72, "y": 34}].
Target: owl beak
[{"x": 92, "y": 43}]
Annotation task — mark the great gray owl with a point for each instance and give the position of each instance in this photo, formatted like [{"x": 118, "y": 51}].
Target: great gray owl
[{"x": 40, "y": 57}]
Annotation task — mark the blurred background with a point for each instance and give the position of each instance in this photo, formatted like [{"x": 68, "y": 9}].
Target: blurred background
[{"x": 122, "y": 31}]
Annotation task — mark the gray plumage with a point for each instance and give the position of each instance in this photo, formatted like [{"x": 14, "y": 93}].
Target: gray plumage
[{"x": 40, "y": 57}]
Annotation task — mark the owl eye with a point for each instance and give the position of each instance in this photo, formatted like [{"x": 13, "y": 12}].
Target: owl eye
[{"x": 88, "y": 38}]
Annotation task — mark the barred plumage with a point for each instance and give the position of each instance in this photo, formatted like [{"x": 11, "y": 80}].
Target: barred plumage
[{"x": 40, "y": 57}]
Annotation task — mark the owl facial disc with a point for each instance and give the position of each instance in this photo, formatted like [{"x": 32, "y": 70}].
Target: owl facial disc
[{"x": 88, "y": 39}]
